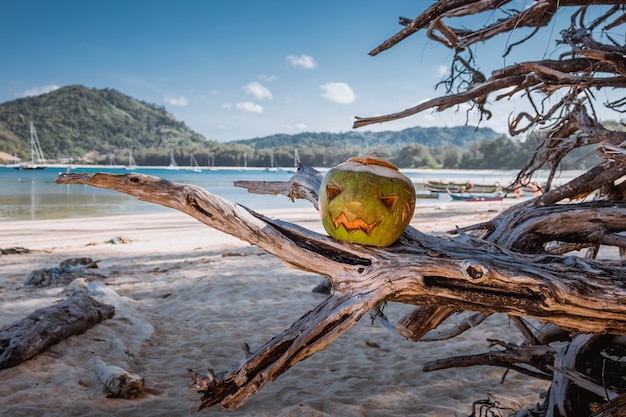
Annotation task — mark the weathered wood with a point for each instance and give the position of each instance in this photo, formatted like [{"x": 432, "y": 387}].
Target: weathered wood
[
  {"x": 303, "y": 186},
  {"x": 528, "y": 230},
  {"x": 463, "y": 274},
  {"x": 67, "y": 271},
  {"x": 539, "y": 357},
  {"x": 566, "y": 124},
  {"x": 558, "y": 400},
  {"x": 418, "y": 322},
  {"x": 577, "y": 293},
  {"x": 588, "y": 58},
  {"x": 612, "y": 408},
  {"x": 49, "y": 325},
  {"x": 466, "y": 324},
  {"x": 118, "y": 382}
]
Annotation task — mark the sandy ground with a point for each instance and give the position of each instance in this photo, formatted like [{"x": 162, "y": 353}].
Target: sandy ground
[{"x": 191, "y": 296}]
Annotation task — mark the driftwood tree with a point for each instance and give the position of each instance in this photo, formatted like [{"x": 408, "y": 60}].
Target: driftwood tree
[{"x": 519, "y": 263}]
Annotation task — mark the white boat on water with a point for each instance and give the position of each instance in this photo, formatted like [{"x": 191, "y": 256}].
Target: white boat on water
[
  {"x": 36, "y": 154},
  {"x": 173, "y": 164},
  {"x": 131, "y": 161},
  {"x": 193, "y": 164},
  {"x": 272, "y": 166}
]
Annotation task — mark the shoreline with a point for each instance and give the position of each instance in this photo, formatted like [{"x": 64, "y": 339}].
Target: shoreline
[{"x": 444, "y": 171}]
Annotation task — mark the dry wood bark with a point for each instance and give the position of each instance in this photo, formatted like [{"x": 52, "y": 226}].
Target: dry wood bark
[
  {"x": 465, "y": 273},
  {"x": 590, "y": 65},
  {"x": 119, "y": 382},
  {"x": 568, "y": 124},
  {"x": 49, "y": 325}
]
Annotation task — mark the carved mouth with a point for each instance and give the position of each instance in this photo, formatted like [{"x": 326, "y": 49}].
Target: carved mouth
[{"x": 353, "y": 225}]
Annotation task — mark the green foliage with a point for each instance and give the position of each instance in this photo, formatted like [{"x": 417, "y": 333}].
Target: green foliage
[
  {"x": 75, "y": 120},
  {"x": 88, "y": 125},
  {"x": 500, "y": 153},
  {"x": 416, "y": 147}
]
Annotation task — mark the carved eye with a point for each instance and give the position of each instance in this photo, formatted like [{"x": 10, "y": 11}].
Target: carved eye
[
  {"x": 332, "y": 191},
  {"x": 389, "y": 201}
]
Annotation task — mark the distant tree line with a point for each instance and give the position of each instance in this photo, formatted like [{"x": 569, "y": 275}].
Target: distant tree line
[
  {"x": 76, "y": 124},
  {"x": 499, "y": 153}
]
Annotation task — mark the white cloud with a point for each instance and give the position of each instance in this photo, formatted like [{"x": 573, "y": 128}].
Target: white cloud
[
  {"x": 258, "y": 90},
  {"x": 177, "y": 101},
  {"x": 37, "y": 91},
  {"x": 267, "y": 78},
  {"x": 338, "y": 92},
  {"x": 249, "y": 107},
  {"x": 297, "y": 126},
  {"x": 302, "y": 61},
  {"x": 227, "y": 106},
  {"x": 442, "y": 70}
]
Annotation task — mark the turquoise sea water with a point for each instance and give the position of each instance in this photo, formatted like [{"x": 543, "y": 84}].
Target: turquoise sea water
[{"x": 34, "y": 195}]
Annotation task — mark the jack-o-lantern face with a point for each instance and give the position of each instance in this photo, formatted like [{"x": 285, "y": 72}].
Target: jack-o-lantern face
[{"x": 367, "y": 201}]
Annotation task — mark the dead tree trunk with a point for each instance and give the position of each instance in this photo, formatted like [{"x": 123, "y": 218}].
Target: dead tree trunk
[
  {"x": 44, "y": 327},
  {"x": 439, "y": 274}
]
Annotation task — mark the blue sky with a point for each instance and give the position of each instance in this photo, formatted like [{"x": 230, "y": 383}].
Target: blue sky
[{"x": 237, "y": 69}]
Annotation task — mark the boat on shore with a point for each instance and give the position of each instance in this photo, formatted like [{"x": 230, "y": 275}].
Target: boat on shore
[
  {"x": 173, "y": 164},
  {"x": 455, "y": 187},
  {"x": 474, "y": 197},
  {"x": 445, "y": 189},
  {"x": 193, "y": 164},
  {"x": 36, "y": 154},
  {"x": 27, "y": 166},
  {"x": 427, "y": 195}
]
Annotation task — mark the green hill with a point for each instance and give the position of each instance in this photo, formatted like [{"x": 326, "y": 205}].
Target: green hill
[
  {"x": 386, "y": 141},
  {"x": 74, "y": 121},
  {"x": 415, "y": 147},
  {"x": 87, "y": 125}
]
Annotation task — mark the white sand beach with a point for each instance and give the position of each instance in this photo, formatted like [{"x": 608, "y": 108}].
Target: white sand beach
[{"x": 191, "y": 296}]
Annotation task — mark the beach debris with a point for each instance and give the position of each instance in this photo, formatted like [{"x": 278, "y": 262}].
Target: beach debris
[
  {"x": 244, "y": 252},
  {"x": 201, "y": 382},
  {"x": 47, "y": 326},
  {"x": 118, "y": 382},
  {"x": 81, "y": 262},
  {"x": 134, "y": 322},
  {"x": 118, "y": 240},
  {"x": 230, "y": 254},
  {"x": 67, "y": 271},
  {"x": 15, "y": 250},
  {"x": 247, "y": 352},
  {"x": 78, "y": 285},
  {"x": 323, "y": 287}
]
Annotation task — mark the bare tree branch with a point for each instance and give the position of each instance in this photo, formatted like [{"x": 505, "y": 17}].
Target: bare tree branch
[{"x": 463, "y": 274}]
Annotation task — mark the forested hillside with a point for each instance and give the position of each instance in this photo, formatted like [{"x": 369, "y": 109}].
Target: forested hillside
[
  {"x": 74, "y": 121},
  {"x": 83, "y": 125}
]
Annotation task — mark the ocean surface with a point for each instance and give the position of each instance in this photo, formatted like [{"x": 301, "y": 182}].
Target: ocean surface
[{"x": 34, "y": 195}]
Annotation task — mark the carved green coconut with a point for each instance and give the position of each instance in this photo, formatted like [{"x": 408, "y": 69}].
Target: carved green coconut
[{"x": 367, "y": 201}]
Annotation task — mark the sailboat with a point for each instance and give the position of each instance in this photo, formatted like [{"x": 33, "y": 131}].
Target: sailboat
[
  {"x": 131, "y": 161},
  {"x": 173, "y": 164},
  {"x": 296, "y": 158},
  {"x": 296, "y": 162},
  {"x": 111, "y": 160},
  {"x": 193, "y": 164},
  {"x": 272, "y": 166},
  {"x": 36, "y": 155}
]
